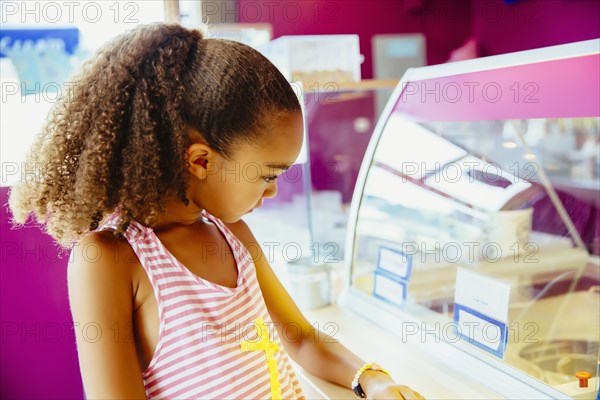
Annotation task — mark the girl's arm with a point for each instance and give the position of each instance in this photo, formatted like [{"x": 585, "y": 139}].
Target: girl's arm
[
  {"x": 101, "y": 297},
  {"x": 313, "y": 350}
]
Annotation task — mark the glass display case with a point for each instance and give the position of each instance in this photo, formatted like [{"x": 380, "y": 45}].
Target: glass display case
[
  {"x": 475, "y": 218},
  {"x": 302, "y": 230}
]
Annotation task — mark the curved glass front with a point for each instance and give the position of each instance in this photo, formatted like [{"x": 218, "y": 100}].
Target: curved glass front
[{"x": 490, "y": 225}]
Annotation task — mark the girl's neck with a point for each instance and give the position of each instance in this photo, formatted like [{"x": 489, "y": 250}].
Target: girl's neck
[{"x": 176, "y": 214}]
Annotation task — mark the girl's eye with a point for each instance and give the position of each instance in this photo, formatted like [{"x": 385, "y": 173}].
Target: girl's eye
[{"x": 270, "y": 179}]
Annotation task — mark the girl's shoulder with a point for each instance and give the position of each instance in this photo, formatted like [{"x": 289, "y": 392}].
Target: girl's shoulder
[
  {"x": 108, "y": 246},
  {"x": 102, "y": 256},
  {"x": 242, "y": 232},
  {"x": 101, "y": 297}
]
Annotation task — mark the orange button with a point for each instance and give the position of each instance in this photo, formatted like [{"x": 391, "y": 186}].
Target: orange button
[{"x": 583, "y": 378}]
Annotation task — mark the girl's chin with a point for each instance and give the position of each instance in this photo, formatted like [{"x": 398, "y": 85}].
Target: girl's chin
[{"x": 236, "y": 218}]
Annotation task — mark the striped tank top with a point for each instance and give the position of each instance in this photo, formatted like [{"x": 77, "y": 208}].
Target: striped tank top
[{"x": 214, "y": 341}]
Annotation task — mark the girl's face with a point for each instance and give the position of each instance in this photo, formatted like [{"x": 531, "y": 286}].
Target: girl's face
[{"x": 228, "y": 189}]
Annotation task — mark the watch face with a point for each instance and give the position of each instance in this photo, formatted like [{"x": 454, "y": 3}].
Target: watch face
[{"x": 359, "y": 391}]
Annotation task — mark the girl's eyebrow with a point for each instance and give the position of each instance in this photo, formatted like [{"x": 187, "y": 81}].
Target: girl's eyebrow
[{"x": 282, "y": 166}]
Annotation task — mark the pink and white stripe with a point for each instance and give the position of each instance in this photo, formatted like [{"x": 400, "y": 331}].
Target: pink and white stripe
[{"x": 202, "y": 324}]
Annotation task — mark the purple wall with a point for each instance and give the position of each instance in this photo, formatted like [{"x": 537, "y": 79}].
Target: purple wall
[
  {"x": 39, "y": 357},
  {"x": 528, "y": 24}
]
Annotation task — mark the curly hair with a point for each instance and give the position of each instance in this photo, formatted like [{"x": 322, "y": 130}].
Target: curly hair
[{"x": 117, "y": 142}]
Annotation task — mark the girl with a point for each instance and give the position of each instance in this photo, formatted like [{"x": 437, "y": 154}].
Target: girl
[{"x": 141, "y": 169}]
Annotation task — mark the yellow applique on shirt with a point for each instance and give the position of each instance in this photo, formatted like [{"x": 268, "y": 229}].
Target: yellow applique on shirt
[{"x": 265, "y": 344}]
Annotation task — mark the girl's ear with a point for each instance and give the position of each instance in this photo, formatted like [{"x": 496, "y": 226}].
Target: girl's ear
[{"x": 198, "y": 160}]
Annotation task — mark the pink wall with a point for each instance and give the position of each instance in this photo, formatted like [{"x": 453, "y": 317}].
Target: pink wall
[
  {"x": 446, "y": 24},
  {"x": 499, "y": 26},
  {"x": 39, "y": 355},
  {"x": 528, "y": 24},
  {"x": 336, "y": 150}
]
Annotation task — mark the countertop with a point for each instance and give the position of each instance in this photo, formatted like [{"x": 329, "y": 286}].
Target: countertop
[{"x": 407, "y": 364}]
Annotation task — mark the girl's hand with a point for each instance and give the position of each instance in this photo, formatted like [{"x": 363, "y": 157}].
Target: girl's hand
[
  {"x": 379, "y": 385},
  {"x": 394, "y": 391}
]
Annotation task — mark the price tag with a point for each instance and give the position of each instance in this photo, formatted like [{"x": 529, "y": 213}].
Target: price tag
[
  {"x": 389, "y": 289},
  {"x": 395, "y": 262},
  {"x": 481, "y": 310}
]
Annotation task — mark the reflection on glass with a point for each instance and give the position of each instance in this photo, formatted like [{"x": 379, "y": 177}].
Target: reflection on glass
[{"x": 516, "y": 201}]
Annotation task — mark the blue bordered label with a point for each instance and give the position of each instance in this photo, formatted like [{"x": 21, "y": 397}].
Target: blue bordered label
[
  {"x": 395, "y": 262},
  {"x": 481, "y": 330},
  {"x": 389, "y": 288}
]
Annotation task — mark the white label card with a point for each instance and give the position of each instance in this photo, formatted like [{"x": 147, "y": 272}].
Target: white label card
[
  {"x": 482, "y": 293},
  {"x": 395, "y": 262},
  {"x": 393, "y": 291}
]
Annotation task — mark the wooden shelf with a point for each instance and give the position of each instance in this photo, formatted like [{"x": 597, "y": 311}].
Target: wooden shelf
[{"x": 365, "y": 84}]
